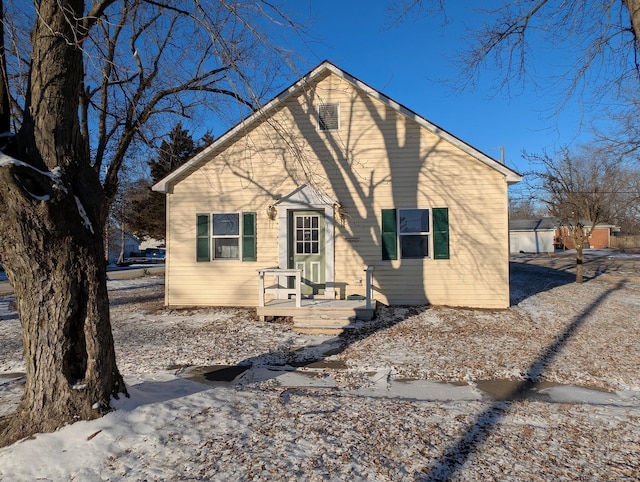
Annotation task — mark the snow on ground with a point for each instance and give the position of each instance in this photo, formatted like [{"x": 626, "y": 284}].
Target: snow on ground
[{"x": 405, "y": 399}]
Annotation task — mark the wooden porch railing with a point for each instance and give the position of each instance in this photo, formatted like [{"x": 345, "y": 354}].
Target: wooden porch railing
[
  {"x": 369, "y": 287},
  {"x": 280, "y": 289}
]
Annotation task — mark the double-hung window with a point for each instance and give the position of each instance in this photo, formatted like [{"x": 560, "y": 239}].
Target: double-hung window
[
  {"x": 415, "y": 233},
  {"x": 226, "y": 236}
]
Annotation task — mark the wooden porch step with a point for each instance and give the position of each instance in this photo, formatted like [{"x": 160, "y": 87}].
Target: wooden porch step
[
  {"x": 322, "y": 320},
  {"x": 334, "y": 308},
  {"x": 322, "y": 324},
  {"x": 319, "y": 316}
]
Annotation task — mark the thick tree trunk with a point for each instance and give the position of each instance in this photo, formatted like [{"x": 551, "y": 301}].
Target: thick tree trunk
[
  {"x": 5, "y": 108},
  {"x": 57, "y": 269},
  {"x": 51, "y": 226},
  {"x": 634, "y": 14}
]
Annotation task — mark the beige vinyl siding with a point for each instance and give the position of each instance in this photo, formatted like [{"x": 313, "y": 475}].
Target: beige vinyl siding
[
  {"x": 378, "y": 159},
  {"x": 218, "y": 282}
]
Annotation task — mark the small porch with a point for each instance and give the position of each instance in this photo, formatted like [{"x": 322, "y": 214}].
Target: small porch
[{"x": 311, "y": 315}]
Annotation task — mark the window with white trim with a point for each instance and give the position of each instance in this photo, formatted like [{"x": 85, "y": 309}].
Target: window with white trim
[
  {"x": 328, "y": 117},
  {"x": 226, "y": 236},
  {"x": 414, "y": 231}
]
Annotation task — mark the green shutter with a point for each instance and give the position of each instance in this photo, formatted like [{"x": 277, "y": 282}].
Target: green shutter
[
  {"x": 440, "y": 233},
  {"x": 203, "y": 239},
  {"x": 249, "y": 237},
  {"x": 389, "y": 234}
]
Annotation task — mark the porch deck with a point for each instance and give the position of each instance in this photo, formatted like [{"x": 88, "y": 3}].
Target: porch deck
[
  {"x": 313, "y": 315},
  {"x": 319, "y": 316}
]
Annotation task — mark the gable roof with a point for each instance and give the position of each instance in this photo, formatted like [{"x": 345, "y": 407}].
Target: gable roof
[
  {"x": 547, "y": 224},
  {"x": 163, "y": 185},
  {"x": 541, "y": 224}
]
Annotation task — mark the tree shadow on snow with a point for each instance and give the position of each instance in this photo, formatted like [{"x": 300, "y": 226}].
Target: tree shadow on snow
[
  {"x": 149, "y": 392},
  {"x": 124, "y": 300},
  {"x": 456, "y": 455},
  {"x": 528, "y": 280},
  {"x": 290, "y": 359},
  {"x": 533, "y": 274}
]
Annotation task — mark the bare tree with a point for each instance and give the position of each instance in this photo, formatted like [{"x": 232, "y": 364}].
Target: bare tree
[
  {"x": 117, "y": 225},
  {"x": 623, "y": 137},
  {"x": 602, "y": 36},
  {"x": 584, "y": 190},
  {"x": 101, "y": 79},
  {"x": 524, "y": 208}
]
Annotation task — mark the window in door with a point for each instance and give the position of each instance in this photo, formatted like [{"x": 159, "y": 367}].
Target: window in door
[{"x": 307, "y": 234}]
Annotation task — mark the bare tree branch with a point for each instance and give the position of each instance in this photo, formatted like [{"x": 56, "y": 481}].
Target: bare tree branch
[
  {"x": 98, "y": 83},
  {"x": 586, "y": 189},
  {"x": 597, "y": 37}
]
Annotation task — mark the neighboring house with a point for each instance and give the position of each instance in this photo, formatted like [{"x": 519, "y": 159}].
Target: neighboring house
[
  {"x": 332, "y": 177},
  {"x": 599, "y": 238},
  {"x": 532, "y": 235},
  {"x": 115, "y": 244}
]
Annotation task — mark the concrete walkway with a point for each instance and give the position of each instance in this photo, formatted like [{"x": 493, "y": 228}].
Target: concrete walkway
[{"x": 321, "y": 375}]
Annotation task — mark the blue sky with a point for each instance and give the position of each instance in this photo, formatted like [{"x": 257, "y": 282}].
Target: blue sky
[{"x": 411, "y": 63}]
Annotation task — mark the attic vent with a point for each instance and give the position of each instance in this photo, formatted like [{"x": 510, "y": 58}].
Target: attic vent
[{"x": 328, "y": 117}]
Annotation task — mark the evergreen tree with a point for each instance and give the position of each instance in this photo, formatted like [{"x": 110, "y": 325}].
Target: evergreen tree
[
  {"x": 146, "y": 216},
  {"x": 172, "y": 153}
]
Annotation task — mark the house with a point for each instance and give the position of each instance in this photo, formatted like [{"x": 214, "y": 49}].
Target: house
[
  {"x": 120, "y": 243},
  {"x": 532, "y": 235},
  {"x": 599, "y": 238},
  {"x": 337, "y": 192}
]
